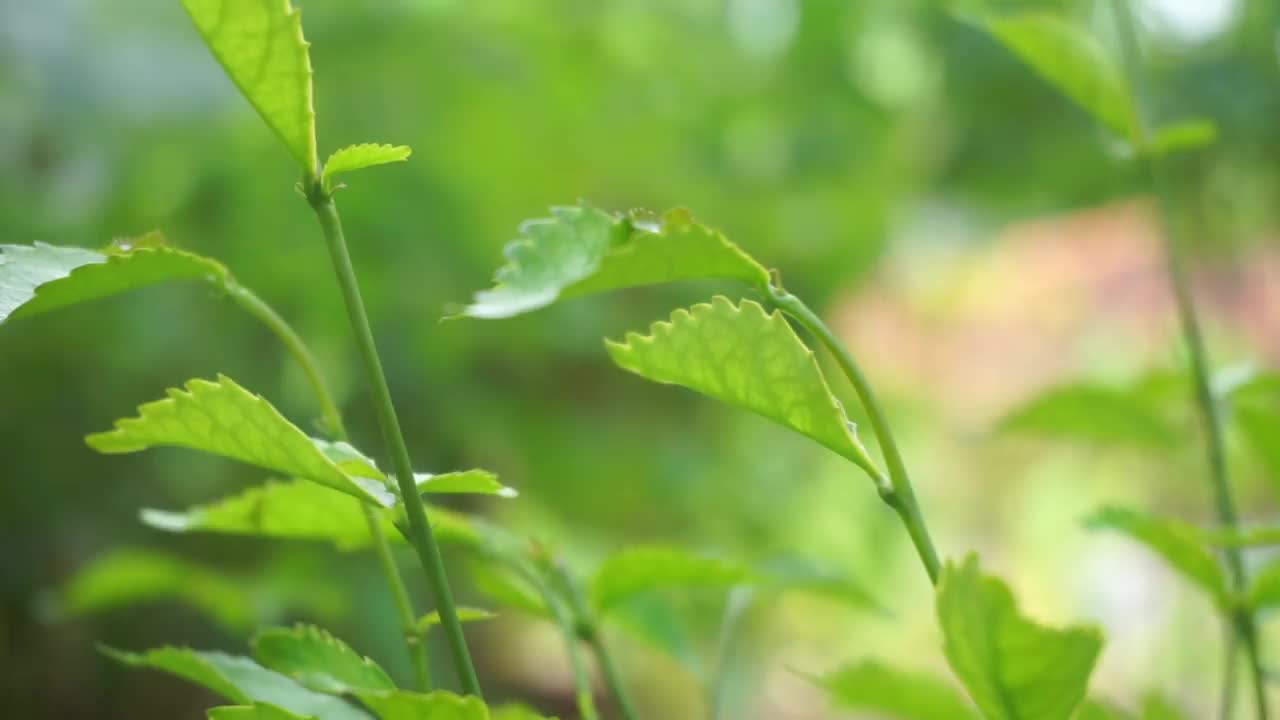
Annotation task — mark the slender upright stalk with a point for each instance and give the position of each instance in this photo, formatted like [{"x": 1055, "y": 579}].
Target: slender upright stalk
[
  {"x": 252, "y": 304},
  {"x": 898, "y": 493},
  {"x": 587, "y": 628},
  {"x": 1241, "y": 618},
  {"x": 420, "y": 533}
]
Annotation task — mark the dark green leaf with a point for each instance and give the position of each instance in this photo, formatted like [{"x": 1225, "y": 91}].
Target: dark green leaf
[
  {"x": 876, "y": 688},
  {"x": 319, "y": 661},
  {"x": 1181, "y": 545},
  {"x": 1013, "y": 668}
]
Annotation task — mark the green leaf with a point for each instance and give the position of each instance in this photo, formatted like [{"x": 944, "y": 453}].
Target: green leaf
[
  {"x": 635, "y": 571},
  {"x": 439, "y": 705},
  {"x": 1070, "y": 60},
  {"x": 260, "y": 45},
  {"x": 581, "y": 250},
  {"x": 224, "y": 419},
  {"x": 474, "y": 482},
  {"x": 748, "y": 358},
  {"x": 131, "y": 576},
  {"x": 1099, "y": 710},
  {"x": 39, "y": 278},
  {"x": 1184, "y": 136},
  {"x": 319, "y": 661},
  {"x": 870, "y": 686},
  {"x": 240, "y": 680},
  {"x": 504, "y": 587},
  {"x": 465, "y": 614},
  {"x": 301, "y": 510},
  {"x": 1156, "y": 707},
  {"x": 1264, "y": 590},
  {"x": 1256, "y": 411},
  {"x": 359, "y": 157},
  {"x": 1013, "y": 668},
  {"x": 1181, "y": 545},
  {"x": 514, "y": 712},
  {"x": 257, "y": 711},
  {"x": 1095, "y": 414}
]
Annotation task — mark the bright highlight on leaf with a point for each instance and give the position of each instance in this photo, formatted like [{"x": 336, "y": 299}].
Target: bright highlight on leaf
[
  {"x": 241, "y": 681},
  {"x": 637, "y": 571},
  {"x": 358, "y": 157},
  {"x": 319, "y": 661},
  {"x": 224, "y": 419},
  {"x": 472, "y": 482},
  {"x": 260, "y": 45},
  {"x": 1013, "y": 668},
  {"x": 873, "y": 687},
  {"x": 439, "y": 705},
  {"x": 581, "y": 250},
  {"x": 1181, "y": 545},
  {"x": 465, "y": 614},
  {"x": 743, "y": 356}
]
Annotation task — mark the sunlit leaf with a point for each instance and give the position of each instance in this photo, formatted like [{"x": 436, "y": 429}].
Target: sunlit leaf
[
  {"x": 1156, "y": 707},
  {"x": 257, "y": 711},
  {"x": 473, "y": 482},
  {"x": 1100, "y": 710},
  {"x": 300, "y": 510},
  {"x": 465, "y": 614},
  {"x": 515, "y": 712},
  {"x": 131, "y": 576},
  {"x": 1264, "y": 590},
  {"x": 640, "y": 570},
  {"x": 358, "y": 157},
  {"x": 1181, "y": 545},
  {"x": 439, "y": 705},
  {"x": 1256, "y": 411},
  {"x": 876, "y": 688},
  {"x": 260, "y": 46},
  {"x": 746, "y": 357},
  {"x": 1013, "y": 668},
  {"x": 241, "y": 680},
  {"x": 224, "y": 419},
  {"x": 1094, "y": 414},
  {"x": 1184, "y": 137},
  {"x": 581, "y": 250},
  {"x": 318, "y": 660}
]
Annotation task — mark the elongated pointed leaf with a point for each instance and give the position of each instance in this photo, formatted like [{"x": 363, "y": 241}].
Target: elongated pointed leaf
[
  {"x": 1013, "y": 668},
  {"x": 872, "y": 687},
  {"x": 745, "y": 357},
  {"x": 438, "y": 705},
  {"x": 1181, "y": 545},
  {"x": 257, "y": 711},
  {"x": 581, "y": 250},
  {"x": 635, "y": 571},
  {"x": 260, "y": 45},
  {"x": 224, "y": 419},
  {"x": 358, "y": 157},
  {"x": 301, "y": 510},
  {"x": 130, "y": 576},
  {"x": 1184, "y": 137},
  {"x": 319, "y": 661},
  {"x": 1068, "y": 59},
  {"x": 241, "y": 680},
  {"x": 465, "y": 614},
  {"x": 1095, "y": 414}
]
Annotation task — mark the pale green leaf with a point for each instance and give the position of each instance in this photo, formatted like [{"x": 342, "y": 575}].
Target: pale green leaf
[
  {"x": 639, "y": 570},
  {"x": 241, "y": 680},
  {"x": 872, "y": 687},
  {"x": 257, "y": 711},
  {"x": 131, "y": 576},
  {"x": 1264, "y": 590},
  {"x": 1013, "y": 668},
  {"x": 438, "y": 705},
  {"x": 1157, "y": 707},
  {"x": 301, "y": 510},
  {"x": 1095, "y": 414},
  {"x": 358, "y": 157},
  {"x": 1070, "y": 60},
  {"x": 1181, "y": 545},
  {"x": 465, "y": 614},
  {"x": 1256, "y": 411},
  {"x": 506, "y": 588},
  {"x": 1184, "y": 136},
  {"x": 318, "y": 660},
  {"x": 474, "y": 482},
  {"x": 515, "y": 712},
  {"x": 224, "y": 419},
  {"x": 745, "y": 357},
  {"x": 260, "y": 45},
  {"x": 581, "y": 250},
  {"x": 1100, "y": 710}
]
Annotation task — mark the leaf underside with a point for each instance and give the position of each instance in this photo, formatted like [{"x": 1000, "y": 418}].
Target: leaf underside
[
  {"x": 260, "y": 46},
  {"x": 1013, "y": 668},
  {"x": 358, "y": 157},
  {"x": 581, "y": 250},
  {"x": 748, "y": 358},
  {"x": 871, "y": 686},
  {"x": 319, "y": 661},
  {"x": 1179, "y": 544}
]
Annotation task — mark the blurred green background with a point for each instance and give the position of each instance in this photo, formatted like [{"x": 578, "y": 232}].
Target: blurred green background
[{"x": 973, "y": 236}]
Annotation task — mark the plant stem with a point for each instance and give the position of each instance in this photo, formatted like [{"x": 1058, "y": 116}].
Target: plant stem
[
  {"x": 255, "y": 306},
  {"x": 899, "y": 494},
  {"x": 587, "y": 627},
  {"x": 1241, "y": 618},
  {"x": 420, "y": 533}
]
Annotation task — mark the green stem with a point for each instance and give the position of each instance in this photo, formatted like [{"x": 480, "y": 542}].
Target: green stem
[
  {"x": 1210, "y": 413},
  {"x": 255, "y": 306},
  {"x": 568, "y": 620},
  {"x": 1226, "y": 704},
  {"x": 419, "y": 531},
  {"x": 898, "y": 492},
  {"x": 589, "y": 628},
  {"x": 735, "y": 611}
]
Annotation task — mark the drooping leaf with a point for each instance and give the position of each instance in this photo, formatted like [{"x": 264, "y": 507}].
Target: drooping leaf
[
  {"x": 319, "y": 661},
  {"x": 746, "y": 357},
  {"x": 1184, "y": 136},
  {"x": 257, "y": 711},
  {"x": 1013, "y": 668},
  {"x": 465, "y": 614},
  {"x": 300, "y": 510},
  {"x": 241, "y": 680},
  {"x": 224, "y": 419},
  {"x": 581, "y": 250},
  {"x": 504, "y": 587},
  {"x": 472, "y": 482},
  {"x": 358, "y": 157},
  {"x": 1181, "y": 545},
  {"x": 260, "y": 46},
  {"x": 1095, "y": 414},
  {"x": 1264, "y": 590},
  {"x": 794, "y": 574},
  {"x": 1069, "y": 59},
  {"x": 131, "y": 576},
  {"x": 438, "y": 705},
  {"x": 639, "y": 570},
  {"x": 873, "y": 687}
]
